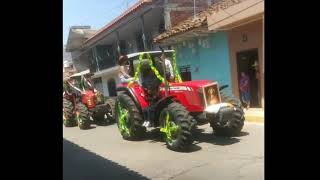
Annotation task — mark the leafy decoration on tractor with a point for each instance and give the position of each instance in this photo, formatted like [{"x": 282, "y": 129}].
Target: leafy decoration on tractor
[
  {"x": 170, "y": 129},
  {"x": 79, "y": 119},
  {"x": 136, "y": 75},
  {"x": 177, "y": 74},
  {"x": 122, "y": 120},
  {"x": 64, "y": 117},
  {"x": 154, "y": 69}
]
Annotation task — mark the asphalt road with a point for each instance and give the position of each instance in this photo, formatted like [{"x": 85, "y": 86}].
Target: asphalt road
[{"x": 100, "y": 153}]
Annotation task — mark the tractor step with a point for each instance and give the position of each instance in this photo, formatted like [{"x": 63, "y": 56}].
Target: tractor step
[{"x": 147, "y": 124}]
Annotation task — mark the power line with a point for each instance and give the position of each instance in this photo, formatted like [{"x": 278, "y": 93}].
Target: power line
[{"x": 230, "y": 15}]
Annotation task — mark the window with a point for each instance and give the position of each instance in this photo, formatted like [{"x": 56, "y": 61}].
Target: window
[
  {"x": 139, "y": 41},
  {"x": 185, "y": 73},
  {"x": 98, "y": 84},
  {"x": 106, "y": 57},
  {"x": 123, "y": 47}
]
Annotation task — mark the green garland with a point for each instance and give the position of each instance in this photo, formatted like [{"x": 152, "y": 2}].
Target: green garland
[
  {"x": 154, "y": 69},
  {"x": 169, "y": 129},
  {"x": 177, "y": 74},
  {"x": 122, "y": 120},
  {"x": 136, "y": 75}
]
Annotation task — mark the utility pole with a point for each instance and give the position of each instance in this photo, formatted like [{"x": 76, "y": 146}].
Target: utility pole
[{"x": 194, "y": 9}]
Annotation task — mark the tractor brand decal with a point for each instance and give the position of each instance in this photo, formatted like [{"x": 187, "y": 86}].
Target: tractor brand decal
[
  {"x": 178, "y": 88},
  {"x": 89, "y": 102}
]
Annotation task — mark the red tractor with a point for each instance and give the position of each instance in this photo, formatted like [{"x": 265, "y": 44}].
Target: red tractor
[
  {"x": 82, "y": 103},
  {"x": 176, "y": 107}
]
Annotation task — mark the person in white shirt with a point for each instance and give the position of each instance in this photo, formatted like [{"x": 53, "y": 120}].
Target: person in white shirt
[
  {"x": 169, "y": 69},
  {"x": 124, "y": 70}
]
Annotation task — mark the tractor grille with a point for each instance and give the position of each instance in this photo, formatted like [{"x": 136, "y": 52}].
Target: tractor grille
[
  {"x": 211, "y": 94},
  {"x": 201, "y": 97}
]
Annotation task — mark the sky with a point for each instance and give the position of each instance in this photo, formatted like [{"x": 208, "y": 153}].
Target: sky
[{"x": 95, "y": 13}]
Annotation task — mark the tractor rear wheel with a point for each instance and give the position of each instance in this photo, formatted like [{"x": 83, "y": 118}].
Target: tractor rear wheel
[
  {"x": 68, "y": 116},
  {"x": 107, "y": 115},
  {"x": 176, "y": 125},
  {"x": 83, "y": 116},
  {"x": 128, "y": 118},
  {"x": 229, "y": 121},
  {"x": 111, "y": 108}
]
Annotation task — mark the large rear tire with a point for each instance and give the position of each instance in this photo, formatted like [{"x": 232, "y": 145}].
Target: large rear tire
[
  {"x": 231, "y": 124},
  {"x": 176, "y": 125},
  {"x": 128, "y": 118},
  {"x": 83, "y": 116},
  {"x": 108, "y": 115},
  {"x": 111, "y": 108},
  {"x": 68, "y": 116}
]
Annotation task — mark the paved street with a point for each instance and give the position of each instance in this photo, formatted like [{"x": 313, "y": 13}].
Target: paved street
[{"x": 100, "y": 153}]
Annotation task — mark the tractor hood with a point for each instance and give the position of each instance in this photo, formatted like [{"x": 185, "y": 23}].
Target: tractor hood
[{"x": 194, "y": 83}]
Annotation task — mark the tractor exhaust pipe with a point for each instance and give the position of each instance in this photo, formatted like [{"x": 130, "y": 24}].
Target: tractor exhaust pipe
[{"x": 223, "y": 87}]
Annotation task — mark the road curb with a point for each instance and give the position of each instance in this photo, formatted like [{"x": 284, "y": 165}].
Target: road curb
[{"x": 257, "y": 119}]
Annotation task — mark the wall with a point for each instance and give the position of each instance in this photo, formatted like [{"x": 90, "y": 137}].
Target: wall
[
  {"x": 80, "y": 60},
  {"x": 105, "y": 82},
  {"x": 182, "y": 9},
  {"x": 208, "y": 62},
  {"x": 254, "y": 32}
]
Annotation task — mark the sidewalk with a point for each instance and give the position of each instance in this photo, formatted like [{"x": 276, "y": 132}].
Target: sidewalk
[{"x": 254, "y": 115}]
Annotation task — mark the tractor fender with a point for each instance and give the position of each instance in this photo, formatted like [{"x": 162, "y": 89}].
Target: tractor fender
[
  {"x": 129, "y": 92},
  {"x": 162, "y": 103}
]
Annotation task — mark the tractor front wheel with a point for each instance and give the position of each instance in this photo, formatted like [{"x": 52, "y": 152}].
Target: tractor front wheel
[
  {"x": 68, "y": 116},
  {"x": 128, "y": 118},
  {"x": 176, "y": 125},
  {"x": 83, "y": 116},
  {"x": 229, "y": 121}
]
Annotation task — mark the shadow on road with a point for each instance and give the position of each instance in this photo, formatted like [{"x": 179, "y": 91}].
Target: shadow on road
[
  {"x": 88, "y": 128},
  {"x": 201, "y": 136},
  {"x": 81, "y": 164},
  {"x": 192, "y": 148},
  {"x": 91, "y": 127},
  {"x": 242, "y": 134},
  {"x": 155, "y": 136},
  {"x": 104, "y": 123}
]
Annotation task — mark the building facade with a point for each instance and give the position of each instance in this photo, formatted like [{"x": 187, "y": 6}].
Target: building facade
[
  {"x": 206, "y": 58},
  {"x": 130, "y": 32},
  {"x": 220, "y": 43}
]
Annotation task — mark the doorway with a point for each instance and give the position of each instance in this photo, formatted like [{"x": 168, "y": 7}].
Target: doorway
[
  {"x": 247, "y": 62},
  {"x": 112, "y": 87},
  {"x": 98, "y": 84}
]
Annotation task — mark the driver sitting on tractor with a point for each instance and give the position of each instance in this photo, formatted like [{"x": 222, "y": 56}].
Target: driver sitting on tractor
[
  {"x": 150, "y": 84},
  {"x": 169, "y": 70},
  {"x": 124, "y": 70}
]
